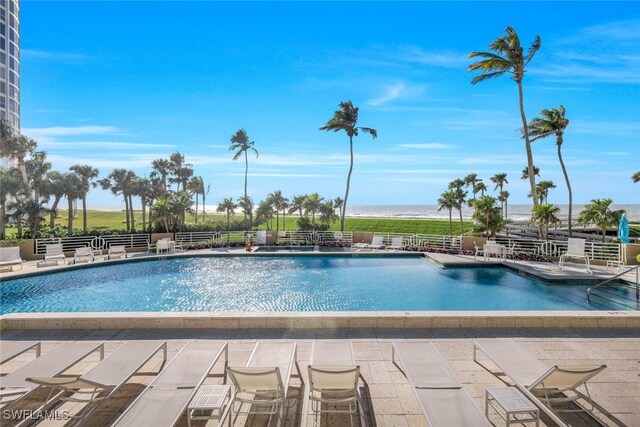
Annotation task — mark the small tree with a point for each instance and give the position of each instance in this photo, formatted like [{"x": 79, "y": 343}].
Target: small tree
[
  {"x": 544, "y": 215},
  {"x": 487, "y": 216},
  {"x": 227, "y": 206},
  {"x": 598, "y": 212}
]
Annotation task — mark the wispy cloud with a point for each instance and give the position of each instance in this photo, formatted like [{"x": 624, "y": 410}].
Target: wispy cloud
[
  {"x": 395, "y": 91},
  {"x": 418, "y": 55},
  {"x": 115, "y": 145},
  {"x": 427, "y": 146},
  {"x": 59, "y": 131},
  {"x": 50, "y": 55},
  {"x": 619, "y": 129}
]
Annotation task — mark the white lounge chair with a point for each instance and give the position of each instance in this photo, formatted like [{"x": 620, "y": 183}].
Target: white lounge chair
[
  {"x": 542, "y": 385},
  {"x": 85, "y": 254},
  {"x": 333, "y": 380},
  {"x": 575, "y": 249},
  {"x": 264, "y": 381},
  {"x": 396, "y": 244},
  {"x": 10, "y": 256},
  {"x": 11, "y": 349},
  {"x": 359, "y": 246},
  {"x": 261, "y": 238},
  {"x": 104, "y": 380},
  {"x": 117, "y": 251},
  {"x": 54, "y": 252},
  {"x": 50, "y": 364},
  {"x": 164, "y": 401},
  {"x": 443, "y": 400},
  {"x": 479, "y": 250},
  {"x": 376, "y": 243}
]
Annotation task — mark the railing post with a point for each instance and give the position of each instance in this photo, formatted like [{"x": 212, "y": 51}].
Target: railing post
[{"x": 637, "y": 284}]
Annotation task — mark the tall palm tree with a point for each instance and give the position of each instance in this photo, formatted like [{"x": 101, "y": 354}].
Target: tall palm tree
[
  {"x": 179, "y": 205},
  {"x": 122, "y": 182},
  {"x": 503, "y": 197},
  {"x": 480, "y": 187},
  {"x": 636, "y": 177},
  {"x": 87, "y": 174},
  {"x": 144, "y": 190},
  {"x": 160, "y": 211},
  {"x": 16, "y": 146},
  {"x": 72, "y": 191},
  {"x": 241, "y": 145},
  {"x": 278, "y": 201},
  {"x": 11, "y": 185},
  {"x": 196, "y": 187},
  {"x": 205, "y": 193},
  {"x": 327, "y": 212},
  {"x": 346, "y": 119},
  {"x": 447, "y": 201},
  {"x": 227, "y": 206},
  {"x": 470, "y": 181},
  {"x": 543, "y": 188},
  {"x": 525, "y": 173},
  {"x": 598, "y": 212},
  {"x": 499, "y": 179},
  {"x": 460, "y": 197},
  {"x": 265, "y": 211},
  {"x": 507, "y": 56},
  {"x": 297, "y": 204},
  {"x": 37, "y": 169},
  {"x": 161, "y": 169},
  {"x": 543, "y": 215},
  {"x": 553, "y": 122},
  {"x": 54, "y": 186},
  {"x": 18, "y": 208},
  {"x": 312, "y": 205},
  {"x": 247, "y": 205}
]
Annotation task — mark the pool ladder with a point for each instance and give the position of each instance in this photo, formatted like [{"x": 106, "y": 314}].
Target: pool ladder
[{"x": 636, "y": 268}]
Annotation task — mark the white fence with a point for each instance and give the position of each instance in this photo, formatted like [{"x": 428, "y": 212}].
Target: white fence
[{"x": 69, "y": 244}]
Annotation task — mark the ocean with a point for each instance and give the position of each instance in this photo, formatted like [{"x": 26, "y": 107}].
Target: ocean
[{"x": 518, "y": 213}]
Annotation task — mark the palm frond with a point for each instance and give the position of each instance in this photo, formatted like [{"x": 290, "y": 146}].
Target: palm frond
[
  {"x": 483, "y": 77},
  {"x": 370, "y": 131},
  {"x": 255, "y": 151},
  {"x": 535, "y": 45}
]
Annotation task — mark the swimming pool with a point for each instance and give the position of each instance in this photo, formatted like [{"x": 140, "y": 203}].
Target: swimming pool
[{"x": 294, "y": 283}]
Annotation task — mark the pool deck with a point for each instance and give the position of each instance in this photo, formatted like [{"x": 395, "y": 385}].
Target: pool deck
[
  {"x": 341, "y": 320},
  {"x": 388, "y": 398}
]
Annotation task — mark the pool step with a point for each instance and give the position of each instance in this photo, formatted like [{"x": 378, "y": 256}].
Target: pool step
[
  {"x": 578, "y": 296},
  {"x": 622, "y": 294}
]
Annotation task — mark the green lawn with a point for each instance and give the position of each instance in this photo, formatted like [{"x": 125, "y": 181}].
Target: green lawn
[{"x": 103, "y": 220}]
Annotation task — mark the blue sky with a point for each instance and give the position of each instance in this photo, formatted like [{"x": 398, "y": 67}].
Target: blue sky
[{"x": 117, "y": 84}]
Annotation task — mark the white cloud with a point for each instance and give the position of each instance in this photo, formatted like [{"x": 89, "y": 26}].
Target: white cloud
[
  {"x": 58, "y": 131},
  {"x": 116, "y": 145},
  {"x": 446, "y": 59},
  {"x": 60, "y": 56},
  {"x": 396, "y": 91}
]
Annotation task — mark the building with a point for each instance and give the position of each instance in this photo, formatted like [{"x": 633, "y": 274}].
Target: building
[{"x": 10, "y": 62}]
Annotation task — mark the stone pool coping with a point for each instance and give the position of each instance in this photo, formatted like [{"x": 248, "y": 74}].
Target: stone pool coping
[{"x": 321, "y": 320}]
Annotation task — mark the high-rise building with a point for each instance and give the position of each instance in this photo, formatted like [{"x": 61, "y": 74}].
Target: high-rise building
[{"x": 10, "y": 62}]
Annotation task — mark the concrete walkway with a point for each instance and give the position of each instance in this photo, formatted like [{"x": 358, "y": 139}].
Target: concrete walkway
[{"x": 389, "y": 400}]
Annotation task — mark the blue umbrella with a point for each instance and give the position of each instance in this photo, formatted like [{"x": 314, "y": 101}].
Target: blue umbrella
[{"x": 623, "y": 229}]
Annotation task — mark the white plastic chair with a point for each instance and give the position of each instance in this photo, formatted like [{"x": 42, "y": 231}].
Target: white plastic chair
[
  {"x": 575, "y": 249},
  {"x": 10, "y": 257}
]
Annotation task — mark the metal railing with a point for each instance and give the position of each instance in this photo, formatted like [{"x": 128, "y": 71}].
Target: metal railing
[
  {"x": 611, "y": 279},
  {"x": 196, "y": 236},
  {"x": 70, "y": 244}
]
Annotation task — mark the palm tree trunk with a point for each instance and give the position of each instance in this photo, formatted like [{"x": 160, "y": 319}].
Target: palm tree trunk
[
  {"x": 346, "y": 194},
  {"x": 144, "y": 215},
  {"x": 246, "y": 173},
  {"x": 228, "y": 215},
  {"x": 566, "y": 178},
  {"x": 70, "y": 216},
  {"x": 203, "y": 204},
  {"x": 133, "y": 221},
  {"x": 527, "y": 143},
  {"x": 450, "y": 224},
  {"x": 461, "y": 223},
  {"x": 277, "y": 220},
  {"x": 506, "y": 212},
  {"x": 23, "y": 169},
  {"x": 84, "y": 214},
  {"x": 3, "y": 212},
  {"x": 196, "y": 207},
  {"x": 54, "y": 212},
  {"x": 126, "y": 211},
  {"x": 284, "y": 219}
]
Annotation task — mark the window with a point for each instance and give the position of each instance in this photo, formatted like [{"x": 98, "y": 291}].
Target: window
[
  {"x": 13, "y": 49},
  {"x": 3, "y": 102},
  {"x": 3, "y": 57},
  {"x": 3, "y": 88},
  {"x": 3, "y": 43},
  {"x": 13, "y": 107},
  {"x": 14, "y": 92},
  {"x": 13, "y": 78},
  {"x": 3, "y": 28},
  {"x": 13, "y": 36},
  {"x": 12, "y": 63}
]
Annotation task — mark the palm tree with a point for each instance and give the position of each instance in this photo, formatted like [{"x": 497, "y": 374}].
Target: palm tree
[
  {"x": 37, "y": 168},
  {"x": 11, "y": 185},
  {"x": 144, "y": 190},
  {"x": 122, "y": 182},
  {"x": 480, "y": 187},
  {"x": 160, "y": 211},
  {"x": 327, "y": 212},
  {"x": 525, "y": 172},
  {"x": 18, "y": 208},
  {"x": 227, "y": 206},
  {"x": 553, "y": 122},
  {"x": 508, "y": 56},
  {"x": 196, "y": 187},
  {"x": 87, "y": 174},
  {"x": 72, "y": 191},
  {"x": 542, "y": 189},
  {"x": 54, "y": 186},
  {"x": 487, "y": 216},
  {"x": 35, "y": 211},
  {"x": 636, "y": 177},
  {"x": 179, "y": 205},
  {"x": 16, "y": 146},
  {"x": 297, "y": 204},
  {"x": 543, "y": 215},
  {"x": 460, "y": 196},
  {"x": 447, "y": 201},
  {"x": 598, "y": 212},
  {"x": 346, "y": 119},
  {"x": 205, "y": 193},
  {"x": 503, "y": 197},
  {"x": 161, "y": 169},
  {"x": 278, "y": 201},
  {"x": 241, "y": 144},
  {"x": 499, "y": 179},
  {"x": 246, "y": 204},
  {"x": 470, "y": 181},
  {"x": 264, "y": 212},
  {"x": 312, "y": 205}
]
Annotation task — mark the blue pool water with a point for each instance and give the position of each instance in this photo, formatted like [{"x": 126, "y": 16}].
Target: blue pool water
[{"x": 278, "y": 284}]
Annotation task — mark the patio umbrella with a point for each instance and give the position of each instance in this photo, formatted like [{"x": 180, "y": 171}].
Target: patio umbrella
[{"x": 623, "y": 229}]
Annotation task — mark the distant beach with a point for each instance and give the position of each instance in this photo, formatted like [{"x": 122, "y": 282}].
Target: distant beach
[{"x": 518, "y": 213}]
